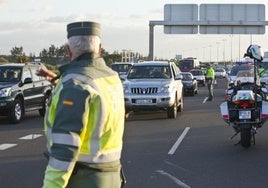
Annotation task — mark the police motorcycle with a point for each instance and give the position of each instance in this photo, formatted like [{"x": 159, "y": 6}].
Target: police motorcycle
[{"x": 246, "y": 109}]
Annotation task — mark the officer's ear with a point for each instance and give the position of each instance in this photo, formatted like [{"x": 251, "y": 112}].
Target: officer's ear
[
  {"x": 69, "y": 52},
  {"x": 100, "y": 48}
]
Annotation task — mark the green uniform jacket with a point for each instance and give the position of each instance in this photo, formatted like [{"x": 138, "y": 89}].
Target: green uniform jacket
[{"x": 85, "y": 119}]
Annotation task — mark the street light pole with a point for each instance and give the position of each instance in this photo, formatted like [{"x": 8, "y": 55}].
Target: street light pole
[
  {"x": 224, "y": 51},
  {"x": 231, "y": 48},
  {"x": 209, "y": 53},
  {"x": 204, "y": 54},
  {"x": 239, "y": 48},
  {"x": 217, "y": 51}
]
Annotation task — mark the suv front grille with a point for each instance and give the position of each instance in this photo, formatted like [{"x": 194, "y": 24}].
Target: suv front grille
[{"x": 148, "y": 90}]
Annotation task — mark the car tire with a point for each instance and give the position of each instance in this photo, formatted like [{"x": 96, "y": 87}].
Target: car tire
[
  {"x": 192, "y": 92},
  {"x": 16, "y": 112},
  {"x": 172, "y": 111},
  {"x": 245, "y": 138},
  {"x": 42, "y": 111},
  {"x": 181, "y": 104}
]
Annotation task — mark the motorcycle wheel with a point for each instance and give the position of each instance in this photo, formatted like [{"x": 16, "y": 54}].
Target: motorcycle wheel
[{"x": 245, "y": 138}]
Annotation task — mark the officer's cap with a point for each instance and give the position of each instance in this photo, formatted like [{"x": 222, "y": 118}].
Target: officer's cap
[{"x": 83, "y": 28}]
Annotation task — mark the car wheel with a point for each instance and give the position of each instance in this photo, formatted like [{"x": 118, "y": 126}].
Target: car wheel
[
  {"x": 42, "y": 111},
  {"x": 181, "y": 104},
  {"x": 172, "y": 111},
  {"x": 16, "y": 112},
  {"x": 192, "y": 92}
]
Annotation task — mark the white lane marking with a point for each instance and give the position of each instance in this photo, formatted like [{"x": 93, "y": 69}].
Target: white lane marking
[
  {"x": 6, "y": 146},
  {"x": 177, "y": 143},
  {"x": 205, "y": 99},
  {"x": 30, "y": 137},
  {"x": 176, "y": 180}
]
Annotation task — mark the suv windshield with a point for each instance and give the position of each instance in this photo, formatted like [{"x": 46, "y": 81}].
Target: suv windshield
[
  {"x": 10, "y": 74},
  {"x": 150, "y": 71}
]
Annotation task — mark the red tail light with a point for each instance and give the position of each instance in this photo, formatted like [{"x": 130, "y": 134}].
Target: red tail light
[
  {"x": 264, "y": 116},
  {"x": 244, "y": 104},
  {"x": 226, "y": 116}
]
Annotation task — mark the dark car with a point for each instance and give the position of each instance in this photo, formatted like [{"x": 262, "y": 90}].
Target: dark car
[
  {"x": 21, "y": 90},
  {"x": 190, "y": 85}
]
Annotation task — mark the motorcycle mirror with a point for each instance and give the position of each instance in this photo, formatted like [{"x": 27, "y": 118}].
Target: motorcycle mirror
[
  {"x": 230, "y": 91},
  {"x": 231, "y": 84},
  {"x": 264, "y": 90}
]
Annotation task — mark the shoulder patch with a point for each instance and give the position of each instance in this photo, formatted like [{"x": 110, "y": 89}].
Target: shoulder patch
[{"x": 67, "y": 102}]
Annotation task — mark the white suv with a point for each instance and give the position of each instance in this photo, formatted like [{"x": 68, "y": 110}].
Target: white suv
[{"x": 154, "y": 85}]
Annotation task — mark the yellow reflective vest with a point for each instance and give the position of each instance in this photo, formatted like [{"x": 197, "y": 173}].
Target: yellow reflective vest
[
  {"x": 85, "y": 118},
  {"x": 210, "y": 73}
]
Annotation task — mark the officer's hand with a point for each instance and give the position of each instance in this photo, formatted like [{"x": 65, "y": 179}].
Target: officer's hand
[{"x": 49, "y": 75}]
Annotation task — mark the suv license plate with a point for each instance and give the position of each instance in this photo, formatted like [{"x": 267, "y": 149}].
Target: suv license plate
[
  {"x": 144, "y": 101},
  {"x": 244, "y": 114}
]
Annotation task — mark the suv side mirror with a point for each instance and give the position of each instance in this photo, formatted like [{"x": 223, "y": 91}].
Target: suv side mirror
[{"x": 178, "y": 77}]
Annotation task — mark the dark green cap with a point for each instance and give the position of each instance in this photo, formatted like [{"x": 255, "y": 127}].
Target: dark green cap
[{"x": 83, "y": 28}]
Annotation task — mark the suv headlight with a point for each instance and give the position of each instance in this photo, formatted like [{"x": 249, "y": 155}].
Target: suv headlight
[
  {"x": 167, "y": 88},
  {"x": 126, "y": 89},
  {"x": 5, "y": 92}
]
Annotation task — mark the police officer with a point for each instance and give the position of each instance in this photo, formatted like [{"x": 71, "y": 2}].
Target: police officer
[
  {"x": 261, "y": 70},
  {"x": 84, "y": 123},
  {"x": 210, "y": 76}
]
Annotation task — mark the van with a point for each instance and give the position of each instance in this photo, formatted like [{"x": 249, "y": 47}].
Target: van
[{"x": 188, "y": 64}]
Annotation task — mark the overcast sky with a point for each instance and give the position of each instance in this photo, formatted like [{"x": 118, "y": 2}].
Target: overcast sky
[{"x": 36, "y": 24}]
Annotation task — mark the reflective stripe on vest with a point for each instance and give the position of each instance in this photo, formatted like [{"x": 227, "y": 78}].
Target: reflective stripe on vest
[
  {"x": 66, "y": 139},
  {"x": 61, "y": 165}
]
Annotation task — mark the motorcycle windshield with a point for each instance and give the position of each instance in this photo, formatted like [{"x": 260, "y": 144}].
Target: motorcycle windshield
[{"x": 244, "y": 95}]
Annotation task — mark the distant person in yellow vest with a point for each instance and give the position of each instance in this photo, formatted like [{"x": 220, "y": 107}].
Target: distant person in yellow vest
[
  {"x": 261, "y": 70},
  {"x": 84, "y": 122},
  {"x": 210, "y": 76}
]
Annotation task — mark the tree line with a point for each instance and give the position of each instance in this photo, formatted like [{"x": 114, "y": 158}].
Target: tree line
[{"x": 55, "y": 55}]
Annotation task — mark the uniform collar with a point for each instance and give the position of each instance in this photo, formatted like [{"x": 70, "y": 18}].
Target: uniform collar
[{"x": 84, "y": 60}]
